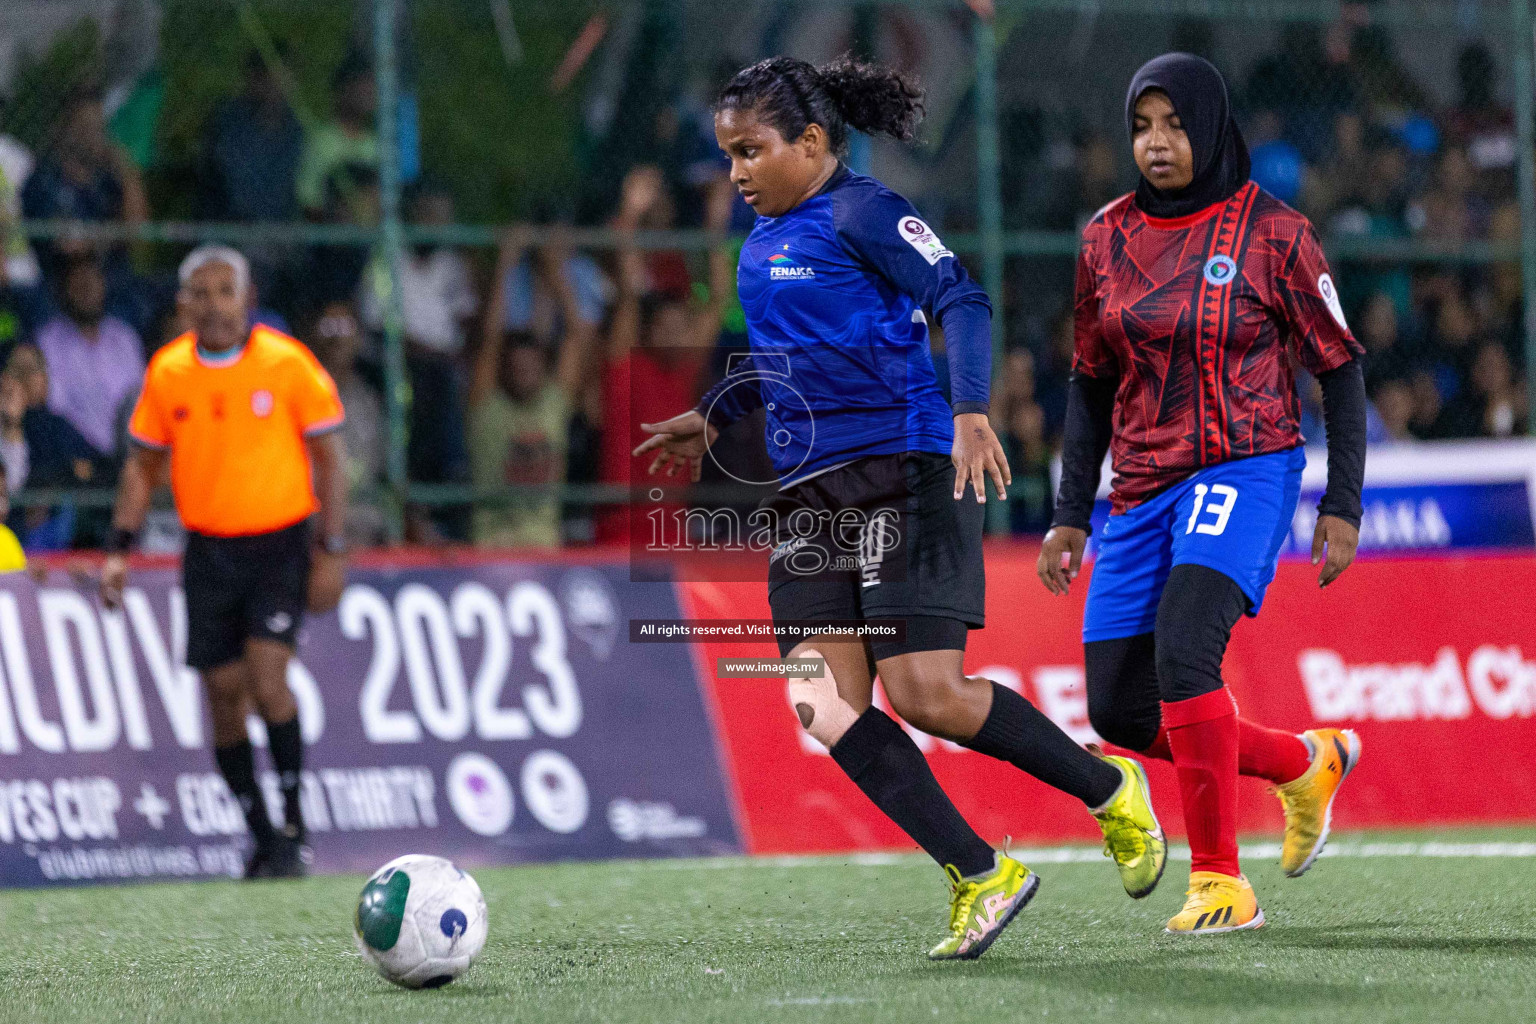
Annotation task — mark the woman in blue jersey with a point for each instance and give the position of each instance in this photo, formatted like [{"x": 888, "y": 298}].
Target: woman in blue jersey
[{"x": 837, "y": 280}]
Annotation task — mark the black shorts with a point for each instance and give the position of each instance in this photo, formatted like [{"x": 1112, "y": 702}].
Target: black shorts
[
  {"x": 243, "y": 587},
  {"x": 882, "y": 537}
]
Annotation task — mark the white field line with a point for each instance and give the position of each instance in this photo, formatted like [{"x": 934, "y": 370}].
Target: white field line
[{"x": 1094, "y": 854}]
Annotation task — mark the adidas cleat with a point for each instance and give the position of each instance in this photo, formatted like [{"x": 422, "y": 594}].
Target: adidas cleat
[
  {"x": 1133, "y": 839},
  {"x": 1217, "y": 903},
  {"x": 1308, "y": 801},
  {"x": 981, "y": 907}
]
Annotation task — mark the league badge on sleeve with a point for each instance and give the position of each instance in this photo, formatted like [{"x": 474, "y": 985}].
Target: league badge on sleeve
[
  {"x": 921, "y": 237},
  {"x": 1330, "y": 295}
]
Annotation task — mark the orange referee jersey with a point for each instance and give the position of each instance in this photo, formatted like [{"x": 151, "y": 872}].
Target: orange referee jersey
[{"x": 236, "y": 430}]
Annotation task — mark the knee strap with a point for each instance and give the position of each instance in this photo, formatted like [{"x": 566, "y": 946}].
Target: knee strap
[{"x": 823, "y": 712}]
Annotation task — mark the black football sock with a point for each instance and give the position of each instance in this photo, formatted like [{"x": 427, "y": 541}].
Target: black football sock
[
  {"x": 286, "y": 746},
  {"x": 883, "y": 761},
  {"x": 238, "y": 767},
  {"x": 1017, "y": 732}
]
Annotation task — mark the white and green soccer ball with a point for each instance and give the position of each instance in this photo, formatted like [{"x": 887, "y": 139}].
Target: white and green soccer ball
[{"x": 420, "y": 921}]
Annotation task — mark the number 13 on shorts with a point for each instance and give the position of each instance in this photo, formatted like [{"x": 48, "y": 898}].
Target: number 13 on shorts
[{"x": 1217, "y": 511}]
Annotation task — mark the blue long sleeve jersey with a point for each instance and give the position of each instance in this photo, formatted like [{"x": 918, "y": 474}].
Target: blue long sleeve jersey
[{"x": 834, "y": 293}]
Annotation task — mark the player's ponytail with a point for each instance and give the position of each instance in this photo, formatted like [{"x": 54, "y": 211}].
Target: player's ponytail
[
  {"x": 790, "y": 94},
  {"x": 873, "y": 98}
]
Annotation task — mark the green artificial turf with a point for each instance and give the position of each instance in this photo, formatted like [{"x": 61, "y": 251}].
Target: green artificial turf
[{"x": 1386, "y": 937}]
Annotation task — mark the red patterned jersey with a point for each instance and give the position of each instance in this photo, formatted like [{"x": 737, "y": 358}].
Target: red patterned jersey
[{"x": 1199, "y": 317}]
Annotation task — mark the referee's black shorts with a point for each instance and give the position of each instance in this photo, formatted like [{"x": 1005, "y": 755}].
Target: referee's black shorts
[
  {"x": 243, "y": 587},
  {"x": 907, "y": 550}
]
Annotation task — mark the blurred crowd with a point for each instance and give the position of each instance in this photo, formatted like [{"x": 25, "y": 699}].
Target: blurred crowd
[{"x": 534, "y": 364}]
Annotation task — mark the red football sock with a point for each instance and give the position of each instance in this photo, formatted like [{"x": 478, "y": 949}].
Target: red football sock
[
  {"x": 1271, "y": 754},
  {"x": 1202, "y": 733}
]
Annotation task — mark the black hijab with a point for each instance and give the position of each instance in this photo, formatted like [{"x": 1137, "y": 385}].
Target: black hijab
[{"x": 1199, "y": 95}]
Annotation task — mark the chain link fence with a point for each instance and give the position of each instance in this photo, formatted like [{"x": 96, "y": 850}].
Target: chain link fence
[{"x": 502, "y": 225}]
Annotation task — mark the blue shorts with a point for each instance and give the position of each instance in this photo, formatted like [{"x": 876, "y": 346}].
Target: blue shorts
[{"x": 1231, "y": 517}]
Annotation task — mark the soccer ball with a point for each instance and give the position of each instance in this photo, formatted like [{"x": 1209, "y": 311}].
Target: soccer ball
[{"x": 420, "y": 921}]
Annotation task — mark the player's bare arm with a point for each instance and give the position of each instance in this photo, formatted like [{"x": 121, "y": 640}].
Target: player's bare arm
[
  {"x": 143, "y": 468},
  {"x": 328, "y": 576}
]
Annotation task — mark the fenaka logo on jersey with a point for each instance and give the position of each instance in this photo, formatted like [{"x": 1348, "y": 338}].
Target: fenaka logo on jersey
[
  {"x": 1220, "y": 270},
  {"x": 782, "y": 268},
  {"x": 1330, "y": 295},
  {"x": 261, "y": 403},
  {"x": 921, "y": 237}
]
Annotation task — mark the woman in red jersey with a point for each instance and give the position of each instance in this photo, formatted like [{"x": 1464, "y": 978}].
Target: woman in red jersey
[{"x": 1194, "y": 295}]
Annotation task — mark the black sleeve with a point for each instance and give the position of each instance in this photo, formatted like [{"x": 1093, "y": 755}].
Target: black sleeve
[
  {"x": 1085, "y": 439},
  {"x": 1344, "y": 422}
]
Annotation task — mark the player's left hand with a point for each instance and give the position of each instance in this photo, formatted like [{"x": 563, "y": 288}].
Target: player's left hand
[
  {"x": 978, "y": 454},
  {"x": 1340, "y": 539},
  {"x": 327, "y": 579}
]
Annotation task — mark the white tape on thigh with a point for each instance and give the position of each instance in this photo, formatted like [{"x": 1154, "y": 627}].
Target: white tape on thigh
[{"x": 824, "y": 714}]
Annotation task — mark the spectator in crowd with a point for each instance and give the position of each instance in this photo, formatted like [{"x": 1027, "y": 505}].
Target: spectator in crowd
[
  {"x": 438, "y": 301},
  {"x": 1337, "y": 182},
  {"x": 1453, "y": 336},
  {"x": 83, "y": 175},
  {"x": 1393, "y": 399},
  {"x": 657, "y": 342},
  {"x": 58, "y": 456},
  {"x": 1492, "y": 404},
  {"x": 95, "y": 362},
  {"x": 348, "y": 138},
  {"x": 1020, "y": 424},
  {"x": 1388, "y": 354},
  {"x": 18, "y": 265},
  {"x": 251, "y": 150},
  {"x": 1452, "y": 211},
  {"x": 334, "y": 272},
  {"x": 13, "y": 437},
  {"x": 1427, "y": 405},
  {"x": 17, "y": 309},
  {"x": 1277, "y": 163},
  {"x": 646, "y": 204},
  {"x": 531, "y": 305},
  {"x": 337, "y": 341},
  {"x": 1480, "y": 124},
  {"x": 519, "y": 412}
]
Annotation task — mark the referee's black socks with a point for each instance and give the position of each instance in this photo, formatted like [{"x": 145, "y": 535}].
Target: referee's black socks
[
  {"x": 1018, "y": 732},
  {"x": 238, "y": 767},
  {"x": 286, "y": 746},
  {"x": 883, "y": 761}
]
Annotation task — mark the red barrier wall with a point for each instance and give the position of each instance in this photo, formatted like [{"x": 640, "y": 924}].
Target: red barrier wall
[{"x": 1432, "y": 660}]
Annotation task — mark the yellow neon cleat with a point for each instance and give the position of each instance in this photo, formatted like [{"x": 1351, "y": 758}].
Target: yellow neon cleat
[
  {"x": 980, "y": 908},
  {"x": 1217, "y": 903},
  {"x": 1132, "y": 836},
  {"x": 1308, "y": 801}
]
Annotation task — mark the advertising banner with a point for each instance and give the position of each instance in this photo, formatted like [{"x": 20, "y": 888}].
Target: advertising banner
[
  {"x": 491, "y": 713},
  {"x": 1432, "y": 660}
]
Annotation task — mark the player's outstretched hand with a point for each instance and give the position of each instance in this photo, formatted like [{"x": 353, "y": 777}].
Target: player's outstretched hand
[
  {"x": 1340, "y": 539},
  {"x": 1061, "y": 541},
  {"x": 978, "y": 454},
  {"x": 114, "y": 576},
  {"x": 679, "y": 443}
]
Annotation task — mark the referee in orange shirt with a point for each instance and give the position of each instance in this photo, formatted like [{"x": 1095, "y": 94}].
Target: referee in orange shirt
[{"x": 248, "y": 420}]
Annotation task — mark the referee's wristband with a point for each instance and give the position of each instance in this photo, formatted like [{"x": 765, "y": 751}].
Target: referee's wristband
[{"x": 119, "y": 541}]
